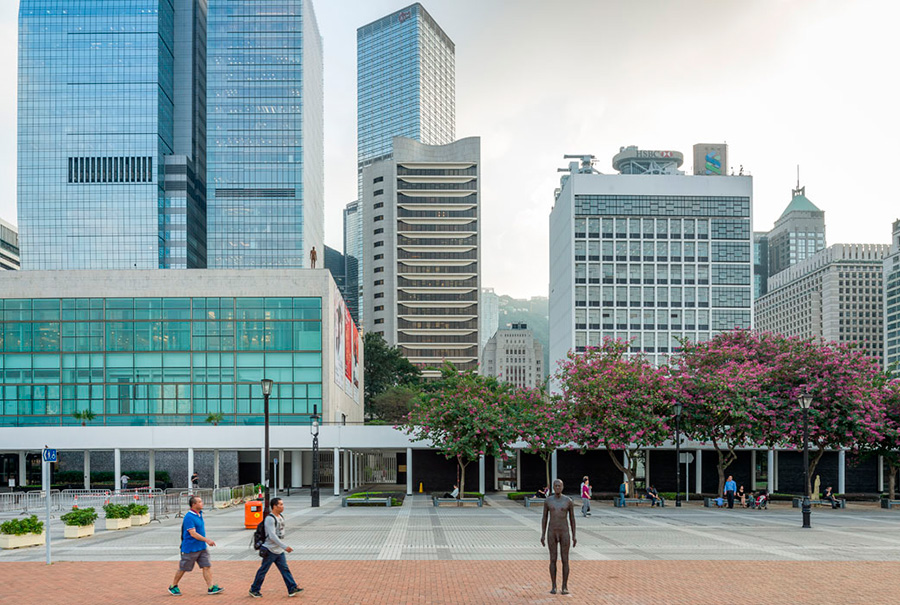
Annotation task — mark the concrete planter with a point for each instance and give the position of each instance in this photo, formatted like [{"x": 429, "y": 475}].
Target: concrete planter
[
  {"x": 7, "y": 541},
  {"x": 113, "y": 524},
  {"x": 79, "y": 531},
  {"x": 137, "y": 520}
]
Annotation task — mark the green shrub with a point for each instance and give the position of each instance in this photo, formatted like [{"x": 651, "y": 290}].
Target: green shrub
[
  {"x": 396, "y": 497},
  {"x": 116, "y": 511},
  {"x": 136, "y": 509},
  {"x": 20, "y": 527},
  {"x": 80, "y": 517},
  {"x": 519, "y": 495}
]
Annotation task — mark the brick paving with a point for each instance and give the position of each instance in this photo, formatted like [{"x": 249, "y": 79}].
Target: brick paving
[{"x": 479, "y": 582}]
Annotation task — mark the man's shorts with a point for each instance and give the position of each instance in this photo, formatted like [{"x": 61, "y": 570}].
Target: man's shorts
[{"x": 200, "y": 557}]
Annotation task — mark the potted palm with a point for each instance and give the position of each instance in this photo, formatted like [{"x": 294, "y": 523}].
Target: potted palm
[
  {"x": 140, "y": 513},
  {"x": 84, "y": 416},
  {"x": 117, "y": 516},
  {"x": 79, "y": 522},
  {"x": 19, "y": 533},
  {"x": 215, "y": 419}
]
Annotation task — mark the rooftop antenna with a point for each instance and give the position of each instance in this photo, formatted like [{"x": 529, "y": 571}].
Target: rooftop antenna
[{"x": 799, "y": 190}]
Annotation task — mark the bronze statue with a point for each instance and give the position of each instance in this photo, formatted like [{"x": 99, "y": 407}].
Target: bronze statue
[{"x": 557, "y": 507}]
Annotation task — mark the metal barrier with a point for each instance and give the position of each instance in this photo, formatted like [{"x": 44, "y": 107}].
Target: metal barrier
[{"x": 12, "y": 502}]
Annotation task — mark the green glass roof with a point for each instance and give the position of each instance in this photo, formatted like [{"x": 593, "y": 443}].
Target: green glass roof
[{"x": 800, "y": 203}]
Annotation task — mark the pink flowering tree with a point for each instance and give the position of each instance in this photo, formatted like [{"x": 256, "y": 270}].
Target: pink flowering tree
[
  {"x": 720, "y": 384},
  {"x": 464, "y": 416},
  {"x": 888, "y": 447},
  {"x": 616, "y": 401},
  {"x": 542, "y": 422}
]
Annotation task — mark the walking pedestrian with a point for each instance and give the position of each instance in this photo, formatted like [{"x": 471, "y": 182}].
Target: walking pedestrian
[
  {"x": 730, "y": 489},
  {"x": 194, "y": 545},
  {"x": 124, "y": 479},
  {"x": 273, "y": 551},
  {"x": 586, "y": 497},
  {"x": 195, "y": 480}
]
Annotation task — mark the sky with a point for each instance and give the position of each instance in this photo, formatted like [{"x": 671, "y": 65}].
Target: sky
[{"x": 784, "y": 82}]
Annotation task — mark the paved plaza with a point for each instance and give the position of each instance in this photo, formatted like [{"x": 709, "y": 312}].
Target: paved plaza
[{"x": 420, "y": 554}]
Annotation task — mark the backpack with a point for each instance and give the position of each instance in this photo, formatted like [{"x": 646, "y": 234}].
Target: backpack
[{"x": 259, "y": 537}]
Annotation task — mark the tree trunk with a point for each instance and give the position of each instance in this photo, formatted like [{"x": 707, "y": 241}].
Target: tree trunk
[
  {"x": 629, "y": 476},
  {"x": 812, "y": 471},
  {"x": 724, "y": 461},
  {"x": 462, "y": 479},
  {"x": 892, "y": 481}
]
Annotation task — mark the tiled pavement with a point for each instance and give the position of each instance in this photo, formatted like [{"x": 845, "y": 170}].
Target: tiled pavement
[{"x": 420, "y": 554}]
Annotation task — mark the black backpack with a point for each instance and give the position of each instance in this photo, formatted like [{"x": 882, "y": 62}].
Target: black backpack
[{"x": 259, "y": 537}]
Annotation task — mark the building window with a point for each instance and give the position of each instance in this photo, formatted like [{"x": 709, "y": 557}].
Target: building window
[
  {"x": 379, "y": 282},
  {"x": 379, "y": 308},
  {"x": 379, "y": 191},
  {"x": 380, "y": 320},
  {"x": 378, "y": 179},
  {"x": 380, "y": 217},
  {"x": 379, "y": 257},
  {"x": 379, "y": 230},
  {"x": 379, "y": 205},
  {"x": 378, "y": 244},
  {"x": 379, "y": 270},
  {"x": 379, "y": 295}
]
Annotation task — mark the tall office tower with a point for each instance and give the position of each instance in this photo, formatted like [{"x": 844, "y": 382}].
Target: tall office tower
[
  {"x": 490, "y": 315},
  {"x": 9, "y": 246},
  {"x": 891, "y": 320},
  {"x": 836, "y": 295},
  {"x": 111, "y": 113},
  {"x": 760, "y": 263},
  {"x": 648, "y": 257},
  {"x": 406, "y": 86},
  {"x": 353, "y": 243},
  {"x": 798, "y": 234},
  {"x": 514, "y": 356},
  {"x": 265, "y": 137},
  {"x": 422, "y": 251},
  {"x": 335, "y": 263}
]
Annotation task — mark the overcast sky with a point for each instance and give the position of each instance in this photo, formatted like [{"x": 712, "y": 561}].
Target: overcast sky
[{"x": 783, "y": 82}]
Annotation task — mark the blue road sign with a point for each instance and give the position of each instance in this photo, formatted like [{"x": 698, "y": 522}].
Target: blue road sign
[{"x": 49, "y": 455}]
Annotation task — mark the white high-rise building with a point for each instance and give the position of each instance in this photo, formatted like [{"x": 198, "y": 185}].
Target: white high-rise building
[
  {"x": 9, "y": 246},
  {"x": 421, "y": 251},
  {"x": 514, "y": 356},
  {"x": 649, "y": 256},
  {"x": 892, "y": 299}
]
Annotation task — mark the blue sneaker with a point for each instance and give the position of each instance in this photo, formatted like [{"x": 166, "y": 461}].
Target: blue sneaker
[
  {"x": 214, "y": 589},
  {"x": 174, "y": 591}
]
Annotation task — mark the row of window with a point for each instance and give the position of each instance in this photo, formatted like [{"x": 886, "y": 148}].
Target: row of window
[{"x": 118, "y": 169}]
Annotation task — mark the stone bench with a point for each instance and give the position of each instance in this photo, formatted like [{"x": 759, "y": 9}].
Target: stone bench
[
  {"x": 348, "y": 500},
  {"x": 888, "y": 504},
  {"x": 438, "y": 501},
  {"x": 798, "y": 502},
  {"x": 530, "y": 499},
  {"x": 619, "y": 502}
]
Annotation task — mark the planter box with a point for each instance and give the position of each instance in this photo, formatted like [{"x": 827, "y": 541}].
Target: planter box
[
  {"x": 112, "y": 524},
  {"x": 140, "y": 520},
  {"x": 22, "y": 541},
  {"x": 79, "y": 531}
]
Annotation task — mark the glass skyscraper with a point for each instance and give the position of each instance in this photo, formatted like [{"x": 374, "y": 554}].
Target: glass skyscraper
[
  {"x": 110, "y": 134},
  {"x": 353, "y": 245},
  {"x": 265, "y": 184}
]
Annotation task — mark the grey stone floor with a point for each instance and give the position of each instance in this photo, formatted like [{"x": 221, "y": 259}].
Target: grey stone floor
[{"x": 506, "y": 530}]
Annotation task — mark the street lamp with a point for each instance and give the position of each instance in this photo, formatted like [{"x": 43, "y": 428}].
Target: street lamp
[
  {"x": 805, "y": 400},
  {"x": 266, "y": 391},
  {"x": 314, "y": 430},
  {"x": 678, "y": 408}
]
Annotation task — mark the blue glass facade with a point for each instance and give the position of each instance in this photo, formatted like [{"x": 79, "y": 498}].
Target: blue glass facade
[
  {"x": 96, "y": 118},
  {"x": 159, "y": 361},
  {"x": 265, "y": 144}
]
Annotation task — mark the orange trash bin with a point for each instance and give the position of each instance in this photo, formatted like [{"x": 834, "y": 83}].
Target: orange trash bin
[{"x": 253, "y": 513}]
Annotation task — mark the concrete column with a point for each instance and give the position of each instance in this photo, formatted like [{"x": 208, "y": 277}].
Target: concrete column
[
  {"x": 647, "y": 468},
  {"x": 151, "y": 475},
  {"x": 87, "y": 469},
  {"x": 280, "y": 470},
  {"x": 190, "y": 472},
  {"x": 337, "y": 472},
  {"x": 23, "y": 468},
  {"x": 770, "y": 470},
  {"x": 552, "y": 468},
  {"x": 518, "y": 470},
  {"x": 698, "y": 472},
  {"x": 409, "y": 468},
  {"x": 880, "y": 474},
  {"x": 752, "y": 487},
  {"x": 117, "y": 461},
  {"x": 346, "y": 470},
  {"x": 216, "y": 468},
  {"x": 481, "y": 474},
  {"x": 352, "y": 470},
  {"x": 842, "y": 473},
  {"x": 296, "y": 469},
  {"x": 775, "y": 473}
]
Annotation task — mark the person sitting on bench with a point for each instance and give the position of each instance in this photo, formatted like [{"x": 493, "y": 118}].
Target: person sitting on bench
[
  {"x": 653, "y": 496},
  {"x": 542, "y": 492},
  {"x": 453, "y": 494},
  {"x": 830, "y": 497}
]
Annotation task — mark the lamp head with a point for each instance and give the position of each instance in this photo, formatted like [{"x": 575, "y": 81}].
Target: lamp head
[
  {"x": 678, "y": 407},
  {"x": 314, "y": 427},
  {"x": 266, "y": 387},
  {"x": 805, "y": 400}
]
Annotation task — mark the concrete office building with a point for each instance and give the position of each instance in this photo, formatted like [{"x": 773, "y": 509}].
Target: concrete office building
[
  {"x": 836, "y": 295},
  {"x": 111, "y": 169},
  {"x": 490, "y": 315},
  {"x": 9, "y": 247},
  {"x": 798, "y": 234},
  {"x": 648, "y": 256},
  {"x": 151, "y": 351},
  {"x": 266, "y": 183},
  {"x": 422, "y": 251},
  {"x": 892, "y": 300},
  {"x": 514, "y": 356}
]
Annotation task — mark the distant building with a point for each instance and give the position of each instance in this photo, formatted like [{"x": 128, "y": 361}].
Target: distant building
[
  {"x": 490, "y": 315},
  {"x": 836, "y": 295},
  {"x": 514, "y": 356},
  {"x": 353, "y": 246},
  {"x": 797, "y": 235},
  {"x": 892, "y": 300},
  {"x": 9, "y": 246},
  {"x": 334, "y": 262},
  {"x": 760, "y": 263}
]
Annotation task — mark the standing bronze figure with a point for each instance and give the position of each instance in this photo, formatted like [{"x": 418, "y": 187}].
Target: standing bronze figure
[{"x": 556, "y": 508}]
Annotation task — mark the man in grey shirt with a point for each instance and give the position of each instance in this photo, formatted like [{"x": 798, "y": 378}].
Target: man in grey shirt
[{"x": 273, "y": 551}]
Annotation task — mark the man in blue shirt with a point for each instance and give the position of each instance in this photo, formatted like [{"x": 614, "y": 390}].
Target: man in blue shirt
[
  {"x": 730, "y": 489},
  {"x": 193, "y": 548}
]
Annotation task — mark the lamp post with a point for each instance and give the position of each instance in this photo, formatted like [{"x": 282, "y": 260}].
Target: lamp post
[
  {"x": 314, "y": 430},
  {"x": 678, "y": 408},
  {"x": 266, "y": 391},
  {"x": 805, "y": 401}
]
